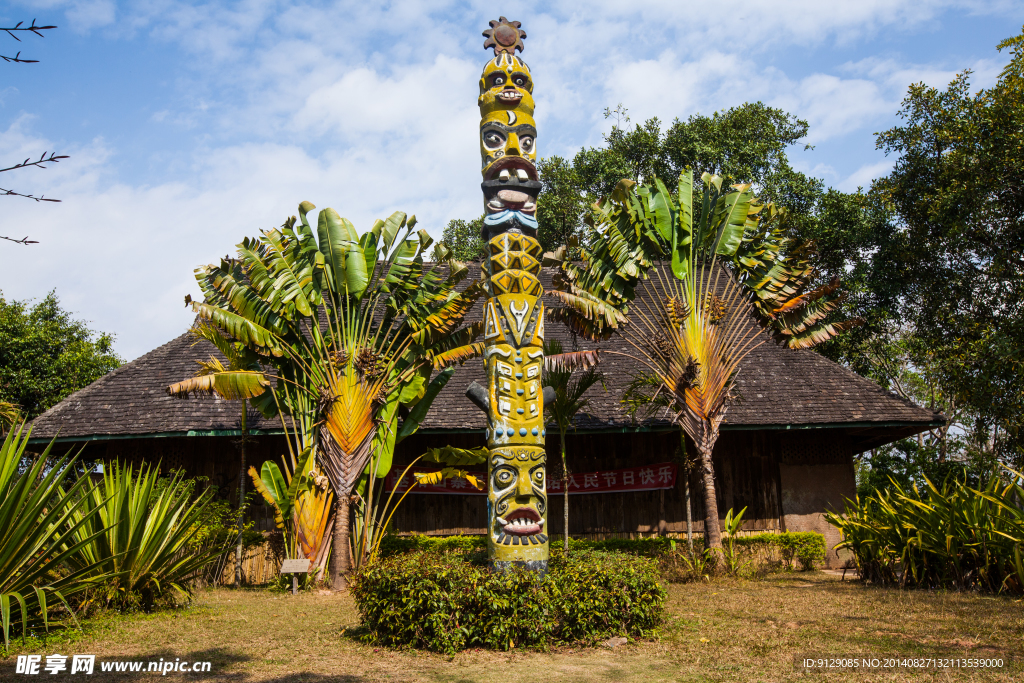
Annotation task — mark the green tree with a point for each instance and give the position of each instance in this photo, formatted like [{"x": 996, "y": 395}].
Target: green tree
[
  {"x": 562, "y": 205},
  {"x": 463, "y": 238},
  {"x": 948, "y": 252},
  {"x": 46, "y": 355},
  {"x": 569, "y": 387}
]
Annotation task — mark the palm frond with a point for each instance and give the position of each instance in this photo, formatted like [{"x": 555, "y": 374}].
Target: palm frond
[{"x": 572, "y": 360}]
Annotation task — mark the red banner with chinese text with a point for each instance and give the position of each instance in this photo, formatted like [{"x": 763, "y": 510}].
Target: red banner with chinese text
[{"x": 644, "y": 478}]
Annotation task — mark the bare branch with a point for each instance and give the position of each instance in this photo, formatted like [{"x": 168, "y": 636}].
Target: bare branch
[
  {"x": 54, "y": 158},
  {"x": 12, "y": 193},
  {"x": 10, "y": 30},
  {"x": 23, "y": 240},
  {"x": 18, "y": 60}
]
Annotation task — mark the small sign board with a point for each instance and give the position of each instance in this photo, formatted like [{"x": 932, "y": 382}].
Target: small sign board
[{"x": 295, "y": 566}]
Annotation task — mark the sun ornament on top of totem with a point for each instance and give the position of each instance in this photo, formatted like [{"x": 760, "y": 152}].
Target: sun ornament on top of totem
[{"x": 514, "y": 314}]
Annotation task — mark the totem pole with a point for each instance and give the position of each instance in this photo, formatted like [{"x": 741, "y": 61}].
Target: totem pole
[{"x": 513, "y": 313}]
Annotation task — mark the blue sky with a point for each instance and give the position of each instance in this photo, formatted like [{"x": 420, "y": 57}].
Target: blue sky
[{"x": 191, "y": 125}]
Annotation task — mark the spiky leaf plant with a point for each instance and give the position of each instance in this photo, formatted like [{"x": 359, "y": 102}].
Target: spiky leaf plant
[
  {"x": 42, "y": 527},
  {"x": 138, "y": 530}
]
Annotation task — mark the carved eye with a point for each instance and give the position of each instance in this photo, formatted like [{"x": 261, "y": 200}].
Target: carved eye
[
  {"x": 520, "y": 81},
  {"x": 527, "y": 143},
  {"x": 493, "y": 139},
  {"x": 538, "y": 477},
  {"x": 504, "y": 478},
  {"x": 499, "y": 80}
]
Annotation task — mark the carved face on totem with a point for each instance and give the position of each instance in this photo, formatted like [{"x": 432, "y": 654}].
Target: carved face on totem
[
  {"x": 510, "y": 138},
  {"x": 517, "y": 488},
  {"x": 506, "y": 84}
]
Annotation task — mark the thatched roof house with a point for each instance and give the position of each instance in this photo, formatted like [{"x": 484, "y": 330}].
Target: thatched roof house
[{"x": 786, "y": 450}]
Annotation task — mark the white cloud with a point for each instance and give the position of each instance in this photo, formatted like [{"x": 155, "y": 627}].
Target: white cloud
[
  {"x": 371, "y": 107},
  {"x": 862, "y": 177},
  {"x": 122, "y": 256}
]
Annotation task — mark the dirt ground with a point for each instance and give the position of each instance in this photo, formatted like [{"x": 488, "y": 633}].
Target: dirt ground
[{"x": 722, "y": 631}]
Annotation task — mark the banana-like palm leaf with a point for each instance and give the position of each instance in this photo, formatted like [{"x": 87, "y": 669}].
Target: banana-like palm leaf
[
  {"x": 450, "y": 456},
  {"x": 433, "y": 478},
  {"x": 214, "y": 378},
  {"x": 571, "y": 360}
]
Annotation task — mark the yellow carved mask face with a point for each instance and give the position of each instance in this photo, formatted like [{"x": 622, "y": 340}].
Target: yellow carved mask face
[
  {"x": 519, "y": 499},
  {"x": 508, "y": 141},
  {"x": 506, "y": 84}
]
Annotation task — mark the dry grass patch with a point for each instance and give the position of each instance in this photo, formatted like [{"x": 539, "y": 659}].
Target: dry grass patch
[{"x": 724, "y": 631}]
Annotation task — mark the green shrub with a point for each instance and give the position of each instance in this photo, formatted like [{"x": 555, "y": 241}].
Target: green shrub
[
  {"x": 951, "y": 536},
  {"x": 759, "y": 553},
  {"x": 448, "y": 601},
  {"x": 395, "y": 545},
  {"x": 807, "y": 548},
  {"x": 646, "y": 547}
]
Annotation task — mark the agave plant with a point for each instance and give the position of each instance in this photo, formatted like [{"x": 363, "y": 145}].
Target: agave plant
[
  {"x": 348, "y": 328},
  {"x": 138, "y": 531},
  {"x": 727, "y": 274},
  {"x": 42, "y": 527}
]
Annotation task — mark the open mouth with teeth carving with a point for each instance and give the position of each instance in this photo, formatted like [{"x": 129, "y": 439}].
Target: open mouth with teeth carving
[
  {"x": 522, "y": 526},
  {"x": 513, "y": 165},
  {"x": 509, "y": 96}
]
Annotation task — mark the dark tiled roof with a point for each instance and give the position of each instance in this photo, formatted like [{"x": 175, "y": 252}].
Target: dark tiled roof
[{"x": 775, "y": 386}]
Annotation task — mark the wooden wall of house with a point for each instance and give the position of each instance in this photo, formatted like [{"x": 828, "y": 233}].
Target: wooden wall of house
[
  {"x": 217, "y": 459},
  {"x": 747, "y": 468}
]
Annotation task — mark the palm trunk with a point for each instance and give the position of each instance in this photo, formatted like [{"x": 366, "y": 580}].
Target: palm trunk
[
  {"x": 341, "y": 553},
  {"x": 565, "y": 500},
  {"x": 712, "y": 530},
  {"x": 241, "y": 500},
  {"x": 342, "y": 469},
  {"x": 689, "y": 513}
]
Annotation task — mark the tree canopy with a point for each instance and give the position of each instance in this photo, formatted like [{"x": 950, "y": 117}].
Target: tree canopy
[
  {"x": 46, "y": 355},
  {"x": 946, "y": 240}
]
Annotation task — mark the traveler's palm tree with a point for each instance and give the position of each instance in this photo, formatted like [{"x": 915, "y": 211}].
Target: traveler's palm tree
[
  {"x": 727, "y": 275},
  {"x": 347, "y": 328},
  {"x": 569, "y": 388}
]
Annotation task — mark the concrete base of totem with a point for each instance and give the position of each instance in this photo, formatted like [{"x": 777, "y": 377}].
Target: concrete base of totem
[{"x": 538, "y": 566}]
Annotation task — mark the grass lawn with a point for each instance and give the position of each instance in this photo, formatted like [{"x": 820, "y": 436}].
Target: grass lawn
[{"x": 724, "y": 631}]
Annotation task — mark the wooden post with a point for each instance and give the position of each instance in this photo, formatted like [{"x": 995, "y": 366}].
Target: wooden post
[
  {"x": 662, "y": 524},
  {"x": 241, "y": 497}
]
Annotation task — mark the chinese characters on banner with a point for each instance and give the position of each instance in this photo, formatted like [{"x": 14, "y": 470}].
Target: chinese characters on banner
[{"x": 645, "y": 478}]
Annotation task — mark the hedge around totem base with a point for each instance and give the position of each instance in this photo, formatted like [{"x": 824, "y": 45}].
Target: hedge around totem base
[{"x": 448, "y": 602}]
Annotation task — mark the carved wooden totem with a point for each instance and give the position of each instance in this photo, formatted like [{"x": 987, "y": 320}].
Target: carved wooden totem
[{"x": 514, "y": 313}]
